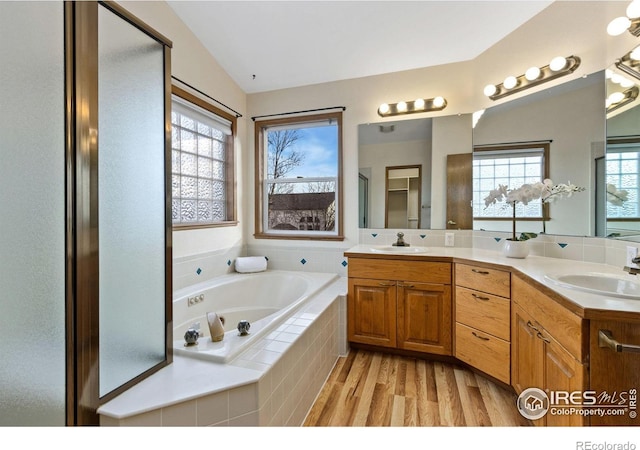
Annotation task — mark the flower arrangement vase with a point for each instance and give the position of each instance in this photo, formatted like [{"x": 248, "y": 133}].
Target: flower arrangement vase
[{"x": 515, "y": 249}]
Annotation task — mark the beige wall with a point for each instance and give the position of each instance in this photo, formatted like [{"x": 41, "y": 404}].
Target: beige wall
[
  {"x": 192, "y": 63},
  {"x": 564, "y": 28}
]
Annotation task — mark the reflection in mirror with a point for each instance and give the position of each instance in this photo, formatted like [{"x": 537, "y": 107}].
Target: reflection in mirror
[
  {"x": 422, "y": 142},
  {"x": 622, "y": 166},
  {"x": 403, "y": 192},
  {"x": 382, "y": 149},
  {"x": 568, "y": 117}
]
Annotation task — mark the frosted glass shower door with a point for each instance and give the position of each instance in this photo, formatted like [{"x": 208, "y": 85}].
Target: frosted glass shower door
[
  {"x": 32, "y": 214},
  {"x": 131, "y": 192}
]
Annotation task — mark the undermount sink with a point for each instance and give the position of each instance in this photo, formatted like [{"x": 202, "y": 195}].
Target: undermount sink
[
  {"x": 598, "y": 283},
  {"x": 398, "y": 249}
]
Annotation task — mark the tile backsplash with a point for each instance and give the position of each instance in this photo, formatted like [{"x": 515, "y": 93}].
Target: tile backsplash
[
  {"x": 577, "y": 248},
  {"x": 193, "y": 269}
]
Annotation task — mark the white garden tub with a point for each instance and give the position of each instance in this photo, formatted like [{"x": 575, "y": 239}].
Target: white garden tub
[{"x": 265, "y": 299}]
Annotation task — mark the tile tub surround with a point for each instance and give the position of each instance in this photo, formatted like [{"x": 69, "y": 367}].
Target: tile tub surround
[
  {"x": 274, "y": 383},
  {"x": 303, "y": 258},
  {"x": 193, "y": 269}
]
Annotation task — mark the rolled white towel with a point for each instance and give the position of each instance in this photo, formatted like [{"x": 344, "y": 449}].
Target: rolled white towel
[{"x": 249, "y": 264}]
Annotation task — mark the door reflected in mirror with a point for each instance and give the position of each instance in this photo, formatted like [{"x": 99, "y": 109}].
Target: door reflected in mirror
[
  {"x": 403, "y": 192},
  {"x": 423, "y": 143}
]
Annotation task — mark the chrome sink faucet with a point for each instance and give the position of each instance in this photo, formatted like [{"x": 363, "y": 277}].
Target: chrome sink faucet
[
  {"x": 633, "y": 270},
  {"x": 400, "y": 242}
]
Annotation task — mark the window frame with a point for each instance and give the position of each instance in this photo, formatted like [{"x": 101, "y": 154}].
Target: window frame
[
  {"x": 230, "y": 168},
  {"x": 545, "y": 174},
  {"x": 260, "y": 128},
  {"x": 616, "y": 143}
]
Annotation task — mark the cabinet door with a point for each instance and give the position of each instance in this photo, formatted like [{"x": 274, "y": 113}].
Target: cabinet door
[
  {"x": 616, "y": 372},
  {"x": 562, "y": 372},
  {"x": 526, "y": 352},
  {"x": 371, "y": 317},
  {"x": 424, "y": 317}
]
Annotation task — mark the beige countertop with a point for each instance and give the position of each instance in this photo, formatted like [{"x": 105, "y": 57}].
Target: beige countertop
[{"x": 585, "y": 304}]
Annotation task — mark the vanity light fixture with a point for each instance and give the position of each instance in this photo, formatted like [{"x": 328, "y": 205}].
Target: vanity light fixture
[
  {"x": 629, "y": 22},
  {"x": 619, "y": 99},
  {"x": 416, "y": 106},
  {"x": 630, "y": 63},
  {"x": 558, "y": 67}
]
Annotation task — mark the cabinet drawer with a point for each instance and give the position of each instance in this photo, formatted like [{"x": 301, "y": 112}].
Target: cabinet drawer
[
  {"x": 486, "y": 312},
  {"x": 493, "y": 281},
  {"x": 484, "y": 352},
  {"x": 394, "y": 269}
]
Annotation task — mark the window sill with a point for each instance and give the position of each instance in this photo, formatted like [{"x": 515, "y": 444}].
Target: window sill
[
  {"x": 231, "y": 223},
  {"x": 301, "y": 237}
]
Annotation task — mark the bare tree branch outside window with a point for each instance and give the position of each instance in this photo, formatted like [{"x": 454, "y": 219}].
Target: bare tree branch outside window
[{"x": 283, "y": 157}]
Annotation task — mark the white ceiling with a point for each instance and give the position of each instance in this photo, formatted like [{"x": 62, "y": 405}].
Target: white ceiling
[{"x": 297, "y": 43}]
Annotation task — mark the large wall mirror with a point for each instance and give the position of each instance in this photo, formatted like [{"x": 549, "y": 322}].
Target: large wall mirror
[
  {"x": 569, "y": 121},
  {"x": 402, "y": 183},
  {"x": 620, "y": 170}
]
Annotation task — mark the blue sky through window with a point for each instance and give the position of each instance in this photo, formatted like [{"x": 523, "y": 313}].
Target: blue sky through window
[{"x": 319, "y": 145}]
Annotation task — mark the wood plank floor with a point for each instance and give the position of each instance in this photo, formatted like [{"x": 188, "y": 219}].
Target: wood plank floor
[{"x": 376, "y": 389}]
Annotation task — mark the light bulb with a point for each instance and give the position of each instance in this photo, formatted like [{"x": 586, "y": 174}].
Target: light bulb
[
  {"x": 418, "y": 104},
  {"x": 626, "y": 83},
  {"x": 532, "y": 73},
  {"x": 438, "y": 102},
  {"x": 616, "y": 78},
  {"x": 633, "y": 10},
  {"x": 558, "y": 63},
  {"x": 402, "y": 106},
  {"x": 489, "y": 90},
  {"x": 616, "y": 97},
  {"x": 608, "y": 73},
  {"x": 635, "y": 54},
  {"x": 384, "y": 108},
  {"x": 510, "y": 82},
  {"x": 618, "y": 26}
]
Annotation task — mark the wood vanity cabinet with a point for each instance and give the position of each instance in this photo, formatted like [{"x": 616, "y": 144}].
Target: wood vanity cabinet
[
  {"x": 400, "y": 304},
  {"x": 482, "y": 311},
  {"x": 548, "y": 349},
  {"x": 616, "y": 372}
]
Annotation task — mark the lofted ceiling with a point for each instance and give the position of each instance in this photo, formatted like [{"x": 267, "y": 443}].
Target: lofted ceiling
[{"x": 269, "y": 45}]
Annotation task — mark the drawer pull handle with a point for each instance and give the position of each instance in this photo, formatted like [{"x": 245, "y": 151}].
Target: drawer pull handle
[
  {"x": 540, "y": 336},
  {"x": 481, "y": 272},
  {"x": 386, "y": 284},
  {"x": 606, "y": 340},
  {"x": 532, "y": 326},
  {"x": 407, "y": 285},
  {"x": 479, "y": 297},
  {"x": 480, "y": 337}
]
